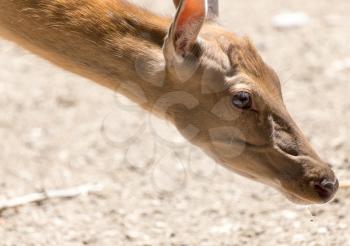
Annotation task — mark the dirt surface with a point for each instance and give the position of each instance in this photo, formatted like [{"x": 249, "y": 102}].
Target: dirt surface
[{"x": 58, "y": 130}]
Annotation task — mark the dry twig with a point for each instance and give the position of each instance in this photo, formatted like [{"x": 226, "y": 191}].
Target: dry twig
[{"x": 50, "y": 194}]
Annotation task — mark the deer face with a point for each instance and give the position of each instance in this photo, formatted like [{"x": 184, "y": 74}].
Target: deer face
[{"x": 235, "y": 110}]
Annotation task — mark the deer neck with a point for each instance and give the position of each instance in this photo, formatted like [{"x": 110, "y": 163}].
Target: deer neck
[{"x": 112, "y": 42}]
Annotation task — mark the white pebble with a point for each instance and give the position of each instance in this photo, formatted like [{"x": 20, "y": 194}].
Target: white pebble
[
  {"x": 322, "y": 230},
  {"x": 338, "y": 66},
  {"x": 288, "y": 214},
  {"x": 298, "y": 238},
  {"x": 290, "y": 20}
]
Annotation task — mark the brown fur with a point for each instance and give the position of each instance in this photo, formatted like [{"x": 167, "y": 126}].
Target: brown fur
[{"x": 120, "y": 46}]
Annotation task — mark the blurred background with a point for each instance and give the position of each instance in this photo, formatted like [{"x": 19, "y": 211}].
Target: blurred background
[{"x": 59, "y": 130}]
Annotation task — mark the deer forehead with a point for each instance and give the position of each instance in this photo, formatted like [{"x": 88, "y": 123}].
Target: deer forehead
[{"x": 237, "y": 57}]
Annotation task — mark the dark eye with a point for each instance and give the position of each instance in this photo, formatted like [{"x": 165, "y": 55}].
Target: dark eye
[{"x": 242, "y": 100}]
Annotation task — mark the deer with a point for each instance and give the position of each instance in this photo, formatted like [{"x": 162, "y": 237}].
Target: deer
[{"x": 211, "y": 84}]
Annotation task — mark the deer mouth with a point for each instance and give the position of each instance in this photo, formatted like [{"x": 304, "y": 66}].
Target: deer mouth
[
  {"x": 323, "y": 195},
  {"x": 296, "y": 199},
  {"x": 316, "y": 192},
  {"x": 302, "y": 180}
]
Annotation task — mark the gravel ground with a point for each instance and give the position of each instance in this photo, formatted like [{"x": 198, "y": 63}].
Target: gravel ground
[{"x": 58, "y": 130}]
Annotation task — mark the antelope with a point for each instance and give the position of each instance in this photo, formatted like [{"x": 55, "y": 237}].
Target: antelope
[{"x": 211, "y": 84}]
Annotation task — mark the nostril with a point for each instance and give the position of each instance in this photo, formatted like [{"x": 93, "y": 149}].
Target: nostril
[{"x": 326, "y": 188}]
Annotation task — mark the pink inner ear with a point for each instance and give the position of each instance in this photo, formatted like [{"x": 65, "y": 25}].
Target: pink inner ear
[{"x": 192, "y": 10}]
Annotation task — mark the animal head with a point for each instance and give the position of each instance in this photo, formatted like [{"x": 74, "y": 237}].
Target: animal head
[{"x": 230, "y": 104}]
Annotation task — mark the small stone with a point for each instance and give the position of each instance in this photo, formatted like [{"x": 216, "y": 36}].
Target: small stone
[
  {"x": 290, "y": 20},
  {"x": 288, "y": 214},
  {"x": 342, "y": 226},
  {"x": 66, "y": 101},
  {"x": 338, "y": 66},
  {"x": 160, "y": 224},
  {"x": 225, "y": 228},
  {"x": 298, "y": 238},
  {"x": 322, "y": 230}
]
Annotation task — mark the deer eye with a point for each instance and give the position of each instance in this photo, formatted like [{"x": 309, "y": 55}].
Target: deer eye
[{"x": 242, "y": 100}]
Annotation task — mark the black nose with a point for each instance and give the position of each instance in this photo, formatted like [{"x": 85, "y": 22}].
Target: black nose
[{"x": 326, "y": 188}]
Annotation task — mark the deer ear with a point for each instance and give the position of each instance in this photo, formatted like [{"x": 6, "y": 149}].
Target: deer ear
[
  {"x": 188, "y": 22},
  {"x": 213, "y": 8}
]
